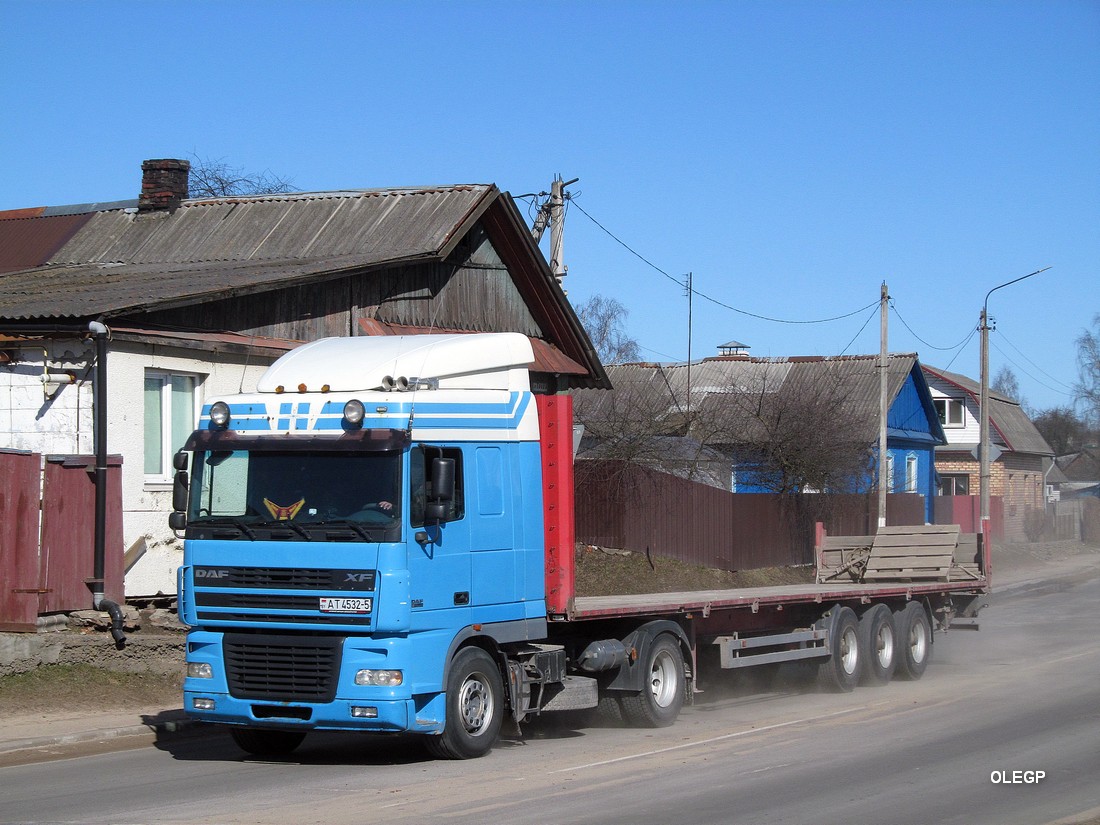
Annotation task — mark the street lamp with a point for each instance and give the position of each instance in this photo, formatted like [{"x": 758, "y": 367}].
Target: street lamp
[{"x": 983, "y": 437}]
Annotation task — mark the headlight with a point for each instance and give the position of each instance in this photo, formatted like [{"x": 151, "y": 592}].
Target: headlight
[
  {"x": 379, "y": 678},
  {"x": 354, "y": 412},
  {"x": 219, "y": 414},
  {"x": 199, "y": 670}
]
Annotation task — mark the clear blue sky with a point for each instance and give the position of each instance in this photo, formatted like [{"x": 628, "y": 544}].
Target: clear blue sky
[{"x": 791, "y": 155}]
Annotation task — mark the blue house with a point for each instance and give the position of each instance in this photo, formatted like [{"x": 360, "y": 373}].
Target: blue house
[{"x": 796, "y": 424}]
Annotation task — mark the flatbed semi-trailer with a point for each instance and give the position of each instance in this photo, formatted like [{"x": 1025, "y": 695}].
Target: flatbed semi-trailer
[{"x": 380, "y": 539}]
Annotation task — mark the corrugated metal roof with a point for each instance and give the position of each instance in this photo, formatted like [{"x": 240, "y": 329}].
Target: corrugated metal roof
[
  {"x": 118, "y": 261},
  {"x": 28, "y": 239},
  {"x": 386, "y": 222}
]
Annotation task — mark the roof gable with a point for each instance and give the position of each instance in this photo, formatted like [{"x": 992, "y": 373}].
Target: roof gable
[{"x": 1006, "y": 416}]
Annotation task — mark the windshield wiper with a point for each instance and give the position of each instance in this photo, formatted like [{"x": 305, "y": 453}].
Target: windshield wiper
[
  {"x": 355, "y": 527},
  {"x": 297, "y": 528}
]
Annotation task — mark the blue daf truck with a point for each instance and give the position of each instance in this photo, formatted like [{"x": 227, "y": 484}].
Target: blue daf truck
[{"x": 380, "y": 539}]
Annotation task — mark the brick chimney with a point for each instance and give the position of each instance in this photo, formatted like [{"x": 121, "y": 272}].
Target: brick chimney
[{"x": 163, "y": 184}]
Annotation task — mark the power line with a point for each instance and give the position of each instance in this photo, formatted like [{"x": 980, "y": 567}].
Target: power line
[
  {"x": 1029, "y": 375},
  {"x": 865, "y": 323},
  {"x": 1040, "y": 369},
  {"x": 706, "y": 297},
  {"x": 904, "y": 323}
]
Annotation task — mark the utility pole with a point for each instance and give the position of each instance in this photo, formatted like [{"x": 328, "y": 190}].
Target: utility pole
[
  {"x": 983, "y": 431},
  {"x": 552, "y": 213},
  {"x": 883, "y": 405},
  {"x": 688, "y": 288}
]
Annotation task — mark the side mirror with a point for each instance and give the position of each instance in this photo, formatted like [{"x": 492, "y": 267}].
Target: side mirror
[
  {"x": 177, "y": 520},
  {"x": 443, "y": 490},
  {"x": 443, "y": 479},
  {"x": 179, "y": 491},
  {"x": 179, "y": 461}
]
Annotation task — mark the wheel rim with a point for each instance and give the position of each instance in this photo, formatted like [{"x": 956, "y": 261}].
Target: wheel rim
[
  {"x": 918, "y": 642},
  {"x": 475, "y": 704},
  {"x": 884, "y": 646},
  {"x": 849, "y": 651},
  {"x": 663, "y": 679}
]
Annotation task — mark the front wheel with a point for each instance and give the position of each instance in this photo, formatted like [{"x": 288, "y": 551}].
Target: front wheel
[
  {"x": 659, "y": 702},
  {"x": 266, "y": 742},
  {"x": 475, "y": 707}
]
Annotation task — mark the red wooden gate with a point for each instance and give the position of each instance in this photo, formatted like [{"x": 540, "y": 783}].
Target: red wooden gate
[{"x": 45, "y": 562}]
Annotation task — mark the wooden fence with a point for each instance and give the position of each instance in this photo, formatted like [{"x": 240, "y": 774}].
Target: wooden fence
[
  {"x": 47, "y": 535},
  {"x": 633, "y": 508}
]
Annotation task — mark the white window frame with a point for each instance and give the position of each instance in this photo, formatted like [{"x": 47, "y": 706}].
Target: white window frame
[
  {"x": 889, "y": 472},
  {"x": 166, "y": 447},
  {"x": 944, "y": 408},
  {"x": 912, "y": 473}
]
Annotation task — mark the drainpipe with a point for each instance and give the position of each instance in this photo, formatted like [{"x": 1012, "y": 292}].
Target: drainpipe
[{"x": 99, "y": 404}]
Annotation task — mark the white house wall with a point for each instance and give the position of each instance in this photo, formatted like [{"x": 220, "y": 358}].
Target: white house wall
[
  {"x": 146, "y": 505},
  {"x": 55, "y": 423}
]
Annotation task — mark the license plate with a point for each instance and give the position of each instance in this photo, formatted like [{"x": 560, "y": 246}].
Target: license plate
[{"x": 344, "y": 605}]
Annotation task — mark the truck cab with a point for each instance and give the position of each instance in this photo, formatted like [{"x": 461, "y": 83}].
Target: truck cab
[{"x": 363, "y": 536}]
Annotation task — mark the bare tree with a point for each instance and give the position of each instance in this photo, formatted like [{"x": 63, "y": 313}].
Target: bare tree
[
  {"x": 797, "y": 432},
  {"x": 788, "y": 430},
  {"x": 1006, "y": 383},
  {"x": 1087, "y": 388},
  {"x": 604, "y": 320},
  {"x": 215, "y": 178},
  {"x": 1062, "y": 429}
]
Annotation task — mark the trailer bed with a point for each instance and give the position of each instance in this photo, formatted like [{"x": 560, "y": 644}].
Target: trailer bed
[{"x": 706, "y": 601}]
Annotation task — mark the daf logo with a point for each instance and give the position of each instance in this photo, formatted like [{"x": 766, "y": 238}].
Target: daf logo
[
  {"x": 210, "y": 573},
  {"x": 357, "y": 577}
]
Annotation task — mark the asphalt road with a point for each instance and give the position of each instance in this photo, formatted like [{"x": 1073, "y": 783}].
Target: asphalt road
[{"x": 1022, "y": 695}]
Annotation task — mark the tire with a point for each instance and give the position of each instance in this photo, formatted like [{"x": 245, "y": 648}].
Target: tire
[
  {"x": 914, "y": 632},
  {"x": 266, "y": 742},
  {"x": 658, "y": 703},
  {"x": 475, "y": 707},
  {"x": 877, "y": 645},
  {"x": 841, "y": 671}
]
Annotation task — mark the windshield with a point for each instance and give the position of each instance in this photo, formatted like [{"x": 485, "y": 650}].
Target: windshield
[{"x": 295, "y": 488}]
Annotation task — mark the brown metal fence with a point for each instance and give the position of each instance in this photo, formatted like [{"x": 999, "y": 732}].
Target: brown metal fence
[
  {"x": 45, "y": 561},
  {"x": 966, "y": 511},
  {"x": 633, "y": 508}
]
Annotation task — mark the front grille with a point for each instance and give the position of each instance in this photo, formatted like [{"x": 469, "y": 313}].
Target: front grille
[
  {"x": 343, "y": 619},
  {"x": 271, "y": 601},
  {"x": 284, "y": 578},
  {"x": 282, "y": 668}
]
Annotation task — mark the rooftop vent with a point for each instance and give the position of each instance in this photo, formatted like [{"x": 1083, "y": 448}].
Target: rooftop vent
[{"x": 733, "y": 348}]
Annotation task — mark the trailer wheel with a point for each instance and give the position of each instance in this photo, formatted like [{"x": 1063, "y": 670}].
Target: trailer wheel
[
  {"x": 658, "y": 703},
  {"x": 915, "y": 641},
  {"x": 266, "y": 742},
  {"x": 840, "y": 672},
  {"x": 877, "y": 642},
  {"x": 475, "y": 707}
]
